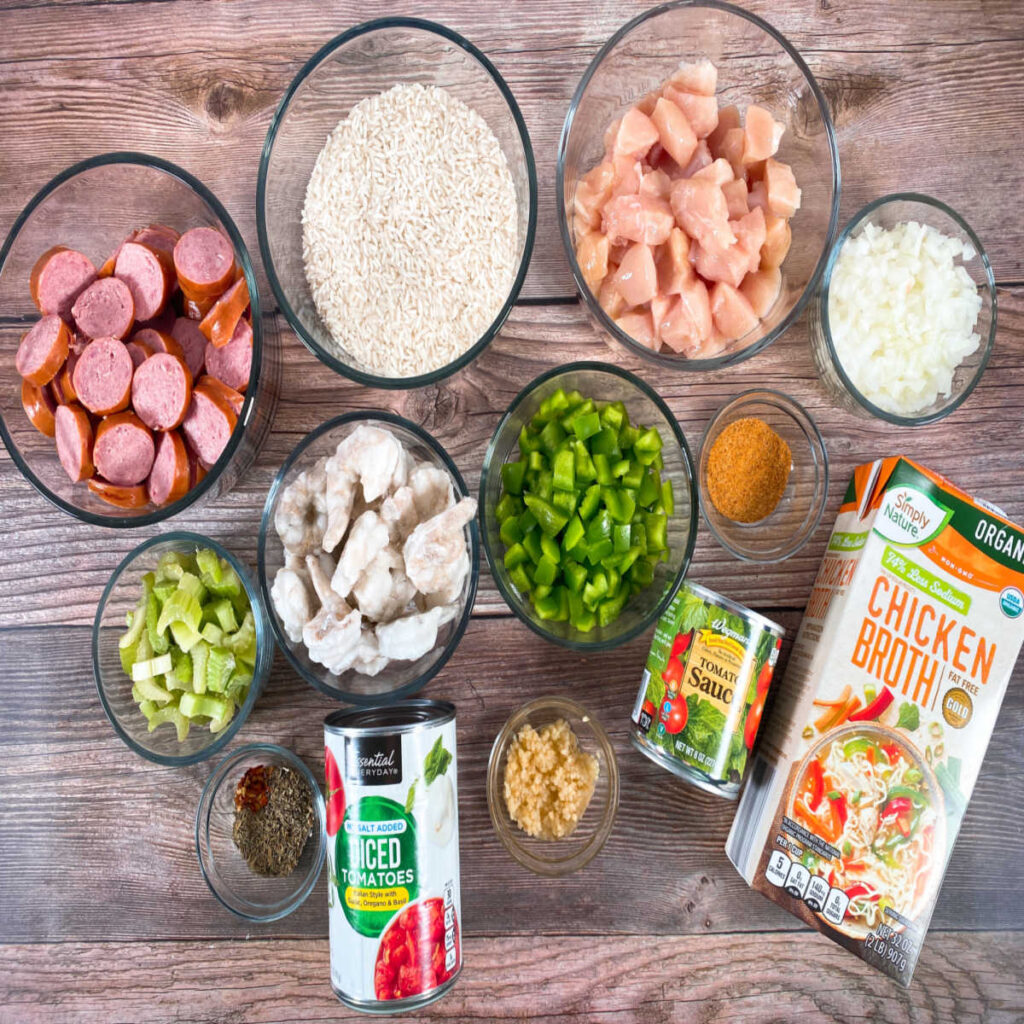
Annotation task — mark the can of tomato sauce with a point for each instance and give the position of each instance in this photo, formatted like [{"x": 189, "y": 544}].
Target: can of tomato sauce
[
  {"x": 704, "y": 687},
  {"x": 394, "y": 905}
]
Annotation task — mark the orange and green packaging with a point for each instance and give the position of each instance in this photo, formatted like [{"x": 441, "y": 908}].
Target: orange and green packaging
[{"x": 882, "y": 718}]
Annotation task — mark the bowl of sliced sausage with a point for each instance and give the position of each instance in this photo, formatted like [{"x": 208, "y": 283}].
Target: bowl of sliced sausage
[{"x": 134, "y": 372}]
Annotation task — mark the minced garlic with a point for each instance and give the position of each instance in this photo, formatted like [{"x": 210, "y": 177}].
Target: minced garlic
[{"x": 548, "y": 780}]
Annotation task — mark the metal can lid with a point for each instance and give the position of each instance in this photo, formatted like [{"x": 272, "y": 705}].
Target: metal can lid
[
  {"x": 384, "y": 719},
  {"x": 711, "y": 596}
]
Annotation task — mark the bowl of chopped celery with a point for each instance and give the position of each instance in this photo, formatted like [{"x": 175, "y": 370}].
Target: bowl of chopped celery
[
  {"x": 181, "y": 648},
  {"x": 589, "y": 506}
]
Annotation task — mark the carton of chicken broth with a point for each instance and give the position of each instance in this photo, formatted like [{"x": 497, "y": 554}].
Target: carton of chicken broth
[{"x": 888, "y": 702}]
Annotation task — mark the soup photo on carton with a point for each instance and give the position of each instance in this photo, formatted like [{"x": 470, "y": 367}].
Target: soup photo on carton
[{"x": 885, "y": 711}]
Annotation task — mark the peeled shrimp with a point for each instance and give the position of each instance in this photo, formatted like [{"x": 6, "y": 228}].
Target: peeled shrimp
[
  {"x": 366, "y": 540},
  {"x": 291, "y": 598},
  {"x": 435, "y": 551},
  {"x": 399, "y": 513},
  {"x": 369, "y": 661},
  {"x": 339, "y": 495},
  {"x": 431, "y": 490},
  {"x": 410, "y": 637},
  {"x": 376, "y": 457},
  {"x": 383, "y": 591},
  {"x": 332, "y": 635},
  {"x": 301, "y": 515}
]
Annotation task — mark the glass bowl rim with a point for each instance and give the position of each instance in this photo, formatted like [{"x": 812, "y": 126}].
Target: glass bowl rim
[
  {"x": 607, "y": 324},
  {"x": 990, "y": 285},
  {"x": 509, "y": 597},
  {"x": 327, "y": 358},
  {"x": 509, "y": 838},
  {"x": 780, "y": 400},
  {"x": 186, "y": 537},
  {"x": 218, "y": 775},
  {"x": 164, "y": 512},
  {"x": 416, "y": 684}
]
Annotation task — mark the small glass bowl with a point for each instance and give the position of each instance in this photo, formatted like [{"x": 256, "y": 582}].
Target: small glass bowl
[
  {"x": 756, "y": 64},
  {"x": 400, "y": 678},
  {"x": 230, "y": 879},
  {"x": 92, "y": 206},
  {"x": 603, "y": 383},
  {"x": 120, "y": 596},
  {"x": 798, "y": 513},
  {"x": 365, "y": 61},
  {"x": 887, "y": 212},
  {"x": 556, "y": 857}
]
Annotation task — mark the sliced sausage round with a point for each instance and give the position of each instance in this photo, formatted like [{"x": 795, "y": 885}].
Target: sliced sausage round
[
  {"x": 161, "y": 391},
  {"x": 59, "y": 276},
  {"x": 208, "y": 425},
  {"x": 158, "y": 341},
  {"x": 196, "y": 470},
  {"x": 158, "y": 236},
  {"x": 220, "y": 390},
  {"x": 169, "y": 477},
  {"x": 147, "y": 275},
  {"x": 105, "y": 309},
  {"x": 193, "y": 343},
  {"x": 43, "y": 349},
  {"x": 121, "y": 497},
  {"x": 103, "y": 376},
  {"x": 232, "y": 364},
  {"x": 219, "y": 324},
  {"x": 196, "y": 309},
  {"x": 204, "y": 261},
  {"x": 139, "y": 351},
  {"x": 73, "y": 432},
  {"x": 39, "y": 405},
  {"x": 123, "y": 451}
]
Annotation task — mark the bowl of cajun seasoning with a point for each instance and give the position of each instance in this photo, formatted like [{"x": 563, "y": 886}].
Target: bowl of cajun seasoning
[
  {"x": 260, "y": 832},
  {"x": 762, "y": 475}
]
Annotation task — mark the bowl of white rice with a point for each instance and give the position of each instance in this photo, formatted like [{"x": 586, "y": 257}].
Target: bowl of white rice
[
  {"x": 906, "y": 319},
  {"x": 397, "y": 203}
]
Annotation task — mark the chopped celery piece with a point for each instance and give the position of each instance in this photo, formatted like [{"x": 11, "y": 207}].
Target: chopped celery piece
[
  {"x": 219, "y": 666},
  {"x": 181, "y": 606},
  {"x": 195, "y": 705},
  {"x": 150, "y": 689},
  {"x": 182, "y": 670},
  {"x": 212, "y": 633},
  {"x": 152, "y": 667},
  {"x": 200, "y": 655},
  {"x": 157, "y": 637},
  {"x": 191, "y": 584},
  {"x": 184, "y": 635},
  {"x": 225, "y": 612},
  {"x": 208, "y": 564},
  {"x": 173, "y": 715}
]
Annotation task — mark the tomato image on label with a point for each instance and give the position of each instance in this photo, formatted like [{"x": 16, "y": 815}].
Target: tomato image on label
[
  {"x": 673, "y": 714},
  {"x": 335, "y": 793},
  {"x": 418, "y": 952}
]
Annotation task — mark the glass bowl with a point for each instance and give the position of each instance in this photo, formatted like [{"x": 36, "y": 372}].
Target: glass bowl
[
  {"x": 92, "y": 206},
  {"x": 251, "y": 896},
  {"x": 400, "y": 678},
  {"x": 555, "y": 857},
  {"x": 120, "y": 596},
  {"x": 756, "y": 64},
  {"x": 798, "y": 513},
  {"x": 603, "y": 383},
  {"x": 364, "y": 61},
  {"x": 887, "y": 212}
]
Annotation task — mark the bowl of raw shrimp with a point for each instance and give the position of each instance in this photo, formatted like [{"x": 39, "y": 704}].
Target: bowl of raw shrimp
[
  {"x": 368, "y": 557},
  {"x": 698, "y": 183}
]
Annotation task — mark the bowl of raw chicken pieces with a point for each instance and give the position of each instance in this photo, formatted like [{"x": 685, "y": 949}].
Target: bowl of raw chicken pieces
[{"x": 368, "y": 557}]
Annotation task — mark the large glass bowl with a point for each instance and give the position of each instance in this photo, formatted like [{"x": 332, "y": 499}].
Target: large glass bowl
[
  {"x": 887, "y": 212},
  {"x": 251, "y": 896},
  {"x": 556, "y": 857},
  {"x": 603, "y": 383},
  {"x": 399, "y": 678},
  {"x": 93, "y": 206},
  {"x": 756, "y": 64},
  {"x": 365, "y": 61},
  {"x": 115, "y": 688}
]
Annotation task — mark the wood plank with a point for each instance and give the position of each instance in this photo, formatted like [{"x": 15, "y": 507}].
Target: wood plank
[
  {"x": 978, "y": 447},
  {"x": 109, "y": 837},
  {"x": 628, "y": 980},
  {"x": 193, "y": 82}
]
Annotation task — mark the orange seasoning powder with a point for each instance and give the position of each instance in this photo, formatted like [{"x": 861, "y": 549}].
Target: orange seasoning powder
[{"x": 748, "y": 468}]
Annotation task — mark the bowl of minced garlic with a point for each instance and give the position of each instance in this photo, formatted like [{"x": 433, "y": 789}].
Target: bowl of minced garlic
[
  {"x": 762, "y": 476},
  {"x": 552, "y": 786}
]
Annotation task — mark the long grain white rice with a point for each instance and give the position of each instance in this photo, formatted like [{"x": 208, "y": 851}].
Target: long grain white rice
[
  {"x": 903, "y": 314},
  {"x": 410, "y": 230}
]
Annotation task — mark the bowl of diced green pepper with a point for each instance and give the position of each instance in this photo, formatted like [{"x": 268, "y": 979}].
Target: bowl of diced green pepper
[
  {"x": 588, "y": 505},
  {"x": 181, "y": 648}
]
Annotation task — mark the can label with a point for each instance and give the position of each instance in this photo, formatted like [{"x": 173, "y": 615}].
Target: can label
[
  {"x": 393, "y": 852},
  {"x": 705, "y": 684}
]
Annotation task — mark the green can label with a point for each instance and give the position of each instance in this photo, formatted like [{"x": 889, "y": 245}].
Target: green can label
[
  {"x": 705, "y": 684},
  {"x": 376, "y": 858}
]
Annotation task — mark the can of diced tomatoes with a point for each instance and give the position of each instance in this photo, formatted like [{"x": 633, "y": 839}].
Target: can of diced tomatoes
[
  {"x": 704, "y": 688},
  {"x": 394, "y": 905}
]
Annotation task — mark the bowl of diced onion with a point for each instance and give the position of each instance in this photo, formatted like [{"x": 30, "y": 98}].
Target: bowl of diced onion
[
  {"x": 181, "y": 648},
  {"x": 906, "y": 318}
]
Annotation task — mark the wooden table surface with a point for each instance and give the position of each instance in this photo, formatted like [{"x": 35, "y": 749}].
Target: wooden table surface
[{"x": 103, "y": 913}]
